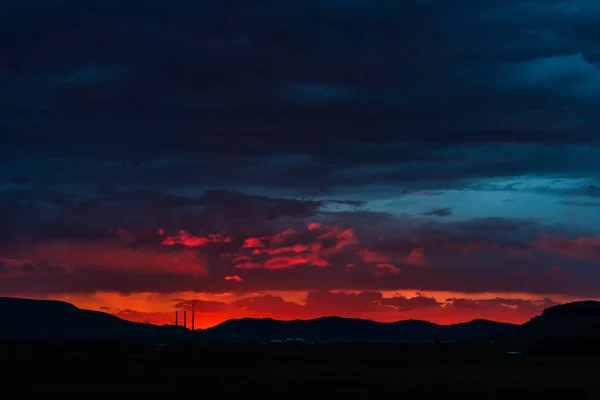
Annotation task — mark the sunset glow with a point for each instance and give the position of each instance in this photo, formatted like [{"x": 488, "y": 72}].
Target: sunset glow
[
  {"x": 434, "y": 160},
  {"x": 299, "y": 273}
]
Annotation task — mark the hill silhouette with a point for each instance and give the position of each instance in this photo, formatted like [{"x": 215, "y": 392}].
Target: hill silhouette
[
  {"x": 578, "y": 320},
  {"x": 25, "y": 319},
  {"x": 336, "y": 329}
]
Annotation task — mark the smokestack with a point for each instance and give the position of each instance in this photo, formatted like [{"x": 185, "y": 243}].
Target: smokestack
[
  {"x": 193, "y": 315},
  {"x": 184, "y": 319},
  {"x": 176, "y": 318}
]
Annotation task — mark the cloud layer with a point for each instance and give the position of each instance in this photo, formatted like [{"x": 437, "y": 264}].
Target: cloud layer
[{"x": 310, "y": 147}]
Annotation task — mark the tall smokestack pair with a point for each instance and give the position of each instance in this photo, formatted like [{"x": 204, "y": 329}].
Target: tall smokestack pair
[{"x": 185, "y": 317}]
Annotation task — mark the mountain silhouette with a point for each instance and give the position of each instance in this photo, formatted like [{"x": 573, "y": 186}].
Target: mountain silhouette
[
  {"x": 25, "y": 319},
  {"x": 579, "y": 320},
  {"x": 336, "y": 329}
]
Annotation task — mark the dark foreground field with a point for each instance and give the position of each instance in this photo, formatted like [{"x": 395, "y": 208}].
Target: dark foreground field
[{"x": 418, "y": 371}]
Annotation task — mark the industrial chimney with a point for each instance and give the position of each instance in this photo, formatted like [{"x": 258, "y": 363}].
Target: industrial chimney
[
  {"x": 184, "y": 319},
  {"x": 176, "y": 318},
  {"x": 193, "y": 316}
]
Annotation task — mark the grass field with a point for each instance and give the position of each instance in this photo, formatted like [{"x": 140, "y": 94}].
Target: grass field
[{"x": 341, "y": 370}]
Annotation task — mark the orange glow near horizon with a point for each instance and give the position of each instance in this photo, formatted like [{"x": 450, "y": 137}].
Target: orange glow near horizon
[
  {"x": 316, "y": 255},
  {"x": 159, "y": 309}
]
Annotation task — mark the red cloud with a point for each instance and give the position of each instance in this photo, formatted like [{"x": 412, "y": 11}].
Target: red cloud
[
  {"x": 112, "y": 255},
  {"x": 313, "y": 226},
  {"x": 282, "y": 236},
  {"x": 261, "y": 242},
  {"x": 297, "y": 248},
  {"x": 381, "y": 261},
  {"x": 252, "y": 243},
  {"x": 583, "y": 248},
  {"x": 132, "y": 261},
  {"x": 271, "y": 253},
  {"x": 233, "y": 278},
  {"x": 386, "y": 268},
  {"x": 373, "y": 257},
  {"x": 249, "y": 265},
  {"x": 338, "y": 239},
  {"x": 290, "y": 262},
  {"x": 187, "y": 239},
  {"x": 415, "y": 257},
  {"x": 386, "y": 260}
]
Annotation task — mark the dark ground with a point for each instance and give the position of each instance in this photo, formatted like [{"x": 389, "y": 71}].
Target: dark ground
[{"x": 418, "y": 371}]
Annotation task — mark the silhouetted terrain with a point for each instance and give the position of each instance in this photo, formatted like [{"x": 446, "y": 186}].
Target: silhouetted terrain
[
  {"x": 578, "y": 320},
  {"x": 335, "y": 329},
  {"x": 24, "y": 319},
  {"x": 117, "y": 362}
]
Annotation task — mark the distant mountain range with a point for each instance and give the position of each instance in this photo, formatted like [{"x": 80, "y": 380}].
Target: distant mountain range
[
  {"x": 24, "y": 319},
  {"x": 335, "y": 329}
]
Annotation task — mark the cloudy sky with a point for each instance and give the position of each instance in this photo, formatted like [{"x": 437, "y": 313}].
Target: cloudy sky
[{"x": 383, "y": 159}]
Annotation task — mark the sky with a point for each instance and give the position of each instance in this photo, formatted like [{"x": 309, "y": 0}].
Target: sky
[{"x": 380, "y": 159}]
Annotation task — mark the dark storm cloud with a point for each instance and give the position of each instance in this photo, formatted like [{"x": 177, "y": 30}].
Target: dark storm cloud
[
  {"x": 308, "y": 250},
  {"x": 439, "y": 212},
  {"x": 245, "y": 119},
  {"x": 128, "y": 78},
  {"x": 133, "y": 217},
  {"x": 16, "y": 267},
  {"x": 43, "y": 214}
]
